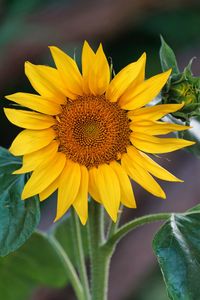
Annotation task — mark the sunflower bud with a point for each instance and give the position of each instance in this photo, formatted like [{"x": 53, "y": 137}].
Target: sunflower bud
[{"x": 181, "y": 87}]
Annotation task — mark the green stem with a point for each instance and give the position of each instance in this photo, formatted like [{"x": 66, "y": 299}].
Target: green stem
[
  {"x": 102, "y": 225},
  {"x": 121, "y": 232},
  {"x": 80, "y": 255},
  {"x": 114, "y": 226},
  {"x": 99, "y": 256},
  {"x": 70, "y": 270}
]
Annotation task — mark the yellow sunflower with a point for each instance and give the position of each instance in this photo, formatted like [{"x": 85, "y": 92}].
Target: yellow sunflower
[{"x": 87, "y": 134}]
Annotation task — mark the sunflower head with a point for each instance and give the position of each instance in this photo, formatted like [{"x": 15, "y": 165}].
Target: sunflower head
[{"x": 86, "y": 133}]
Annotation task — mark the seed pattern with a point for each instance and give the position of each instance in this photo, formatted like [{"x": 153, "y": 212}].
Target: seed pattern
[{"x": 92, "y": 130}]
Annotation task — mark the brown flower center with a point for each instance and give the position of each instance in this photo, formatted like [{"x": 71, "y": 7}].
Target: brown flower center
[{"x": 92, "y": 130}]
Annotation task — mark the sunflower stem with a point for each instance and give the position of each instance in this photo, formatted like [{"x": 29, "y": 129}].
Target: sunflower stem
[
  {"x": 80, "y": 255},
  {"x": 114, "y": 225},
  {"x": 102, "y": 225},
  {"x": 70, "y": 270},
  {"x": 99, "y": 257},
  {"x": 126, "y": 228}
]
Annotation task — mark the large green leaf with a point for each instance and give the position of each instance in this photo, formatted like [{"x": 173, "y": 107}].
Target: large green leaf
[
  {"x": 177, "y": 247},
  {"x": 35, "y": 263},
  {"x": 18, "y": 219},
  {"x": 168, "y": 58}
]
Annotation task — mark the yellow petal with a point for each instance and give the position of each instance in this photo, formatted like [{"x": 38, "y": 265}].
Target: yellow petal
[
  {"x": 150, "y": 165},
  {"x": 54, "y": 77},
  {"x": 68, "y": 70},
  {"x": 35, "y": 102},
  {"x": 88, "y": 57},
  {"x": 92, "y": 188},
  {"x": 68, "y": 187},
  {"x": 126, "y": 77},
  {"x": 127, "y": 196},
  {"x": 29, "y": 119},
  {"x": 153, "y": 113},
  {"x": 99, "y": 77},
  {"x": 144, "y": 92},
  {"x": 49, "y": 190},
  {"x": 29, "y": 141},
  {"x": 152, "y": 144},
  {"x": 41, "y": 81},
  {"x": 34, "y": 159},
  {"x": 44, "y": 175},
  {"x": 141, "y": 176},
  {"x": 81, "y": 202},
  {"x": 109, "y": 189},
  {"x": 155, "y": 127}
]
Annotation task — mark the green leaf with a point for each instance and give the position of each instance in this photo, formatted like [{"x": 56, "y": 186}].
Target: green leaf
[
  {"x": 168, "y": 58},
  {"x": 35, "y": 263},
  {"x": 18, "y": 219},
  {"x": 177, "y": 247},
  {"x": 195, "y": 208}
]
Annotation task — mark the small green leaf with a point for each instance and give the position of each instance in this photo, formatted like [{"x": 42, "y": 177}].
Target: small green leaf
[
  {"x": 177, "y": 247},
  {"x": 188, "y": 69},
  {"x": 168, "y": 58},
  {"x": 35, "y": 263},
  {"x": 18, "y": 219}
]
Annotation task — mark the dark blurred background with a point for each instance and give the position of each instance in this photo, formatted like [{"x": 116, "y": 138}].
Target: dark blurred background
[{"x": 126, "y": 28}]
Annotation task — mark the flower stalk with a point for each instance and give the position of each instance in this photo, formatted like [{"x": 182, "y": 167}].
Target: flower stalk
[
  {"x": 99, "y": 256},
  {"x": 80, "y": 255},
  {"x": 126, "y": 228},
  {"x": 70, "y": 270}
]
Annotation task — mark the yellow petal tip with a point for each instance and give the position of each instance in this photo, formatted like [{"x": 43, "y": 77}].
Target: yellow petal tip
[
  {"x": 24, "y": 196},
  {"x": 143, "y": 56},
  {"x": 168, "y": 71},
  {"x": 114, "y": 218},
  {"x": 53, "y": 48},
  {"x": 28, "y": 63},
  {"x": 85, "y": 43},
  {"x": 56, "y": 219},
  {"x": 133, "y": 205},
  {"x": 180, "y": 180},
  {"x": 189, "y": 143},
  {"x": 17, "y": 172},
  {"x": 8, "y": 96},
  {"x": 83, "y": 221}
]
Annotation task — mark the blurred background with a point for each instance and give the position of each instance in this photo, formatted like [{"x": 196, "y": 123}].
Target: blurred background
[{"x": 126, "y": 28}]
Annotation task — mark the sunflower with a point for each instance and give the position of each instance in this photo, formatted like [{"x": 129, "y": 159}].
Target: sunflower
[{"x": 89, "y": 134}]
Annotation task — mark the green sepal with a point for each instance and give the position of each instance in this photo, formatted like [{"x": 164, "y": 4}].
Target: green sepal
[
  {"x": 168, "y": 58},
  {"x": 188, "y": 69}
]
